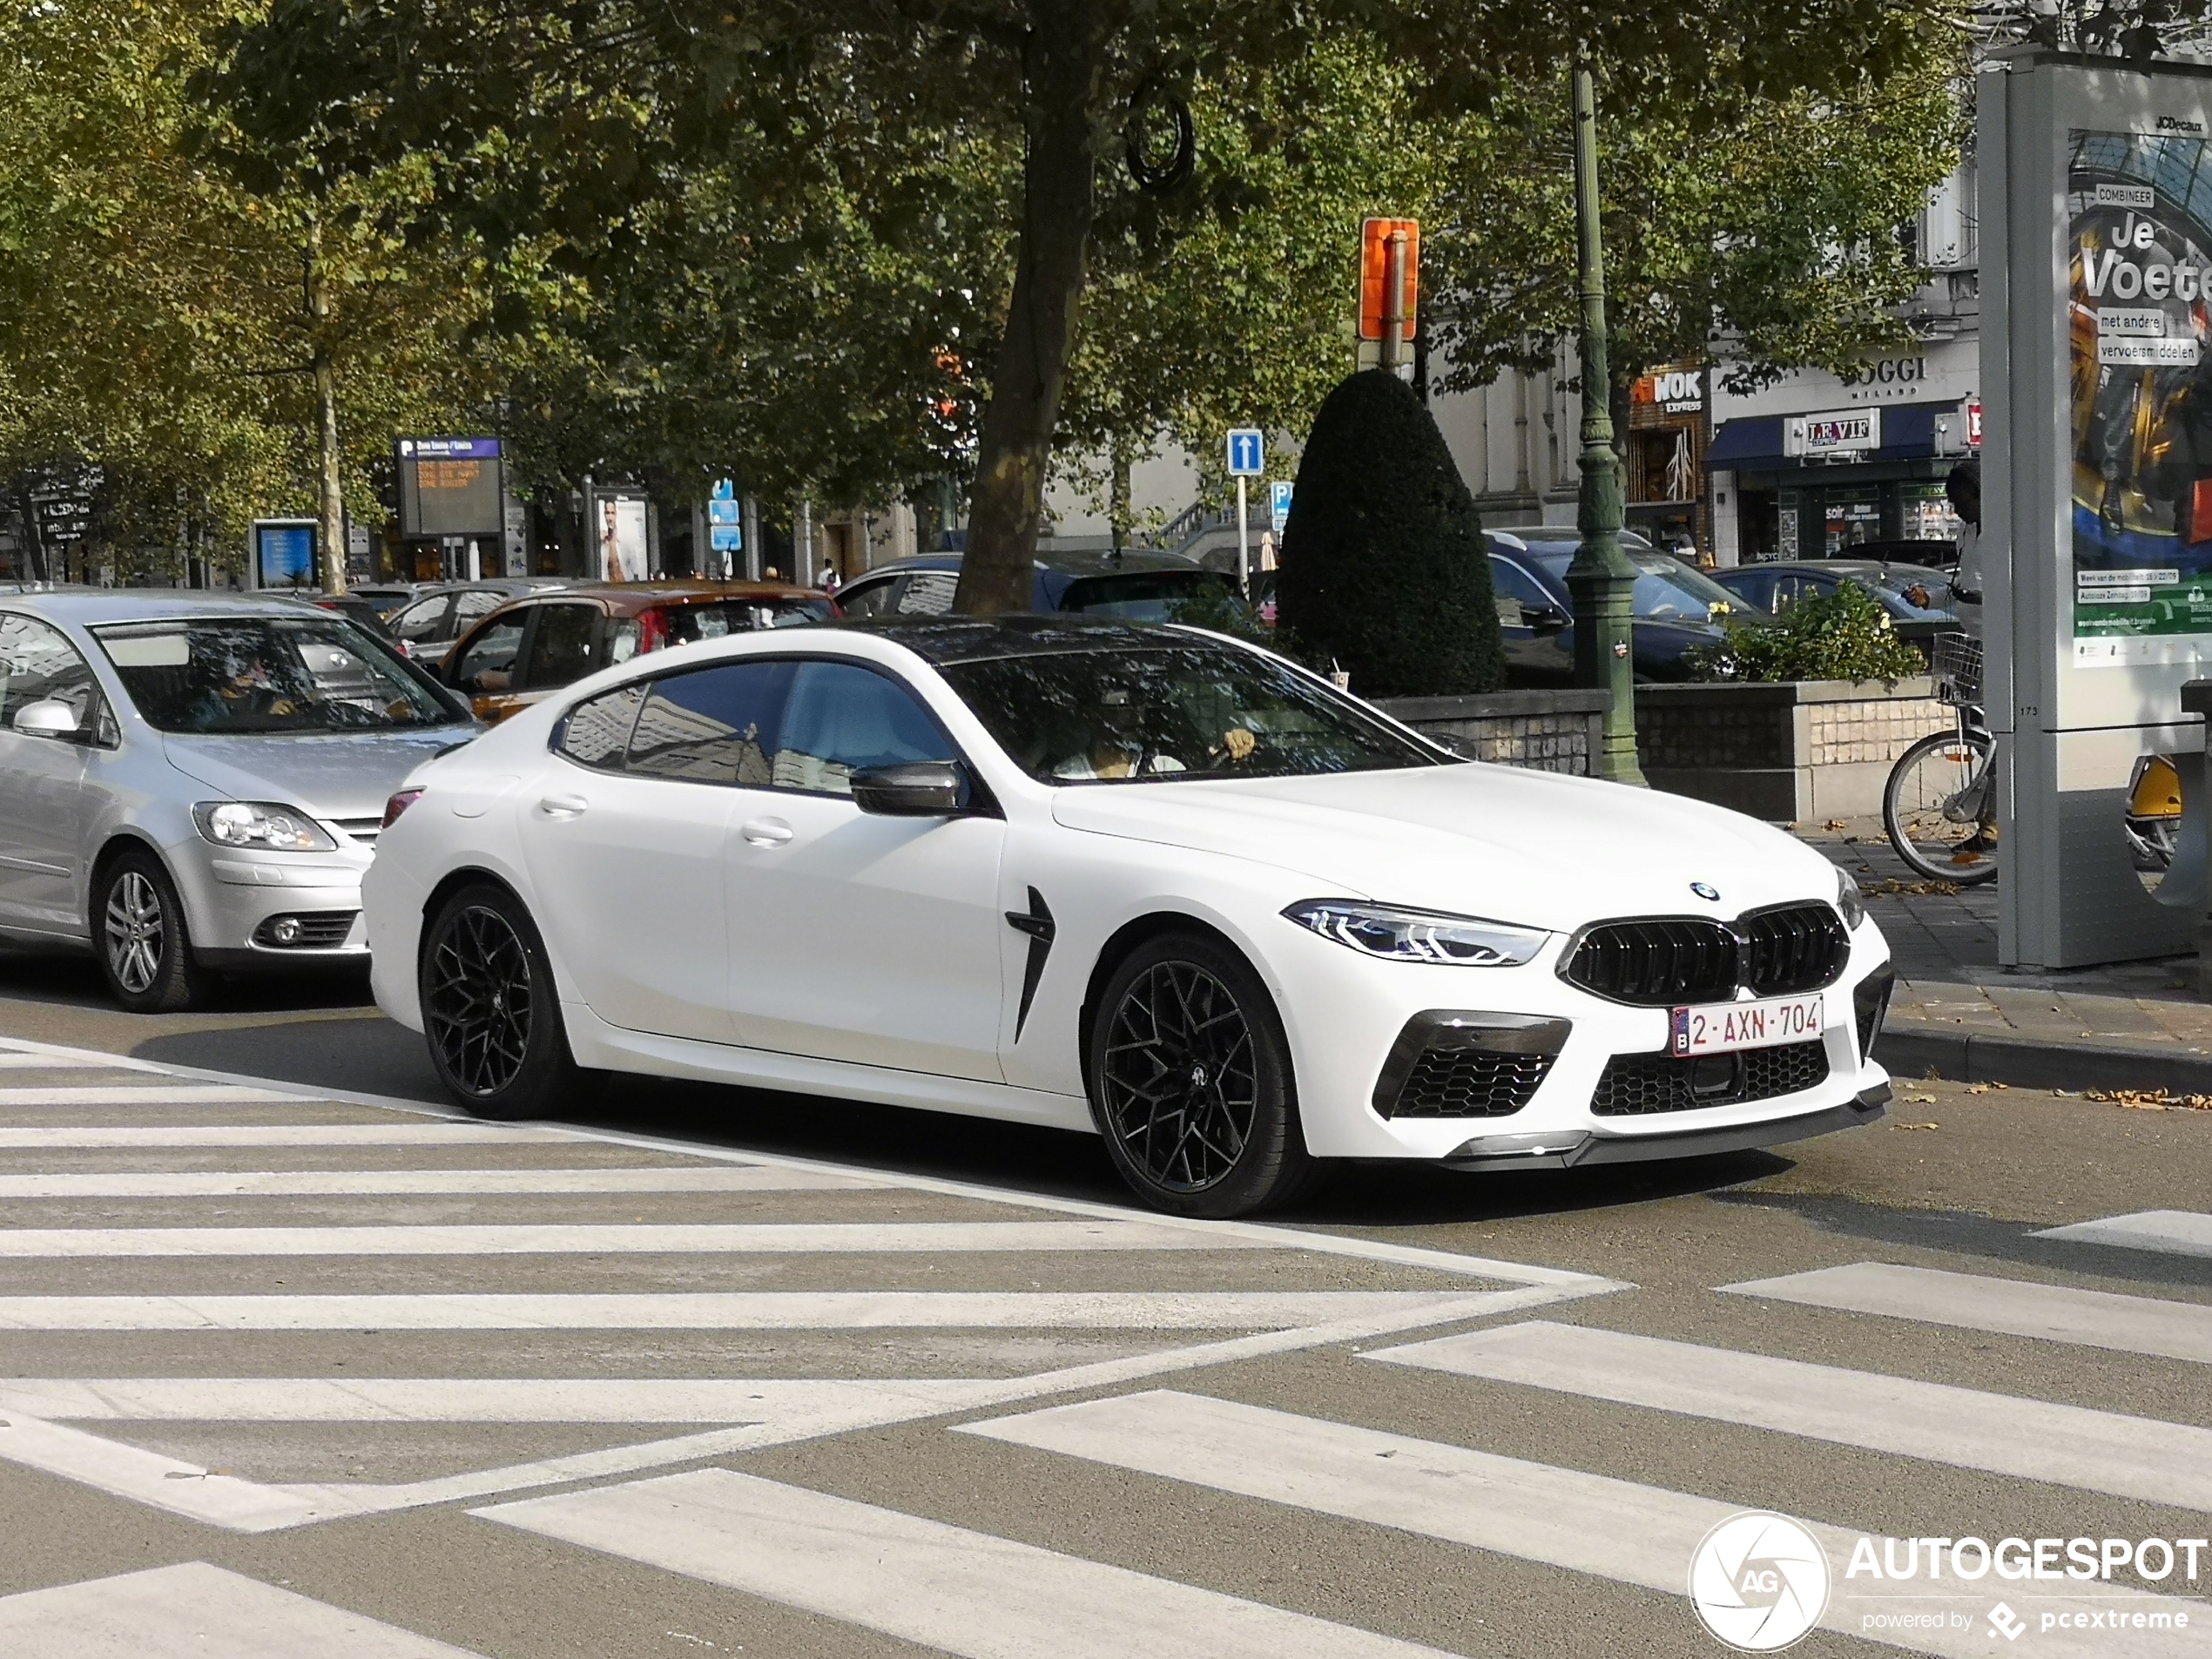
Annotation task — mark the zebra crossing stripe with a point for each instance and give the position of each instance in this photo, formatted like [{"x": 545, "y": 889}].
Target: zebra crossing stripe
[
  {"x": 927, "y": 1238},
  {"x": 460, "y": 1399},
  {"x": 925, "y": 1581},
  {"x": 163, "y": 1094},
  {"x": 196, "y": 1611},
  {"x": 1589, "y": 1523},
  {"x": 307, "y": 1184},
  {"x": 2178, "y": 1232},
  {"x": 2016, "y": 1307},
  {"x": 2031, "y": 1440},
  {"x": 741, "y": 1311},
  {"x": 175, "y": 1138},
  {"x": 16, "y": 1060}
]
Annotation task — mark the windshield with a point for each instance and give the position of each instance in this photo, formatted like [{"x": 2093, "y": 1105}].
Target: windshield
[
  {"x": 1667, "y": 590},
  {"x": 1124, "y": 716},
  {"x": 237, "y": 674},
  {"x": 1140, "y": 596}
]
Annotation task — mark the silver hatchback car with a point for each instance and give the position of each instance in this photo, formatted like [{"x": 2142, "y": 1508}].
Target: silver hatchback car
[{"x": 195, "y": 781}]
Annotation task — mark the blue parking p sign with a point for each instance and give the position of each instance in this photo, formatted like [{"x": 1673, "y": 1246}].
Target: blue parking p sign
[
  {"x": 1278, "y": 503},
  {"x": 1247, "y": 453}
]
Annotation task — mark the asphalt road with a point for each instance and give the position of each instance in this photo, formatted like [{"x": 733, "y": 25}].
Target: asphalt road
[{"x": 287, "y": 1372}]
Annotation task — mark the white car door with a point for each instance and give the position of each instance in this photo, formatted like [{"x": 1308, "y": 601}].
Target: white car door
[
  {"x": 855, "y": 937},
  {"x": 627, "y": 860},
  {"x": 42, "y": 806}
]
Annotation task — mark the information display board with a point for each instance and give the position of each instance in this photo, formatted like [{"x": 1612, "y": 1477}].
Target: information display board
[
  {"x": 284, "y": 554},
  {"x": 451, "y": 487},
  {"x": 2095, "y": 185}
]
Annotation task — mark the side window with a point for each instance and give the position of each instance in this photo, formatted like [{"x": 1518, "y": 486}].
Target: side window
[
  {"x": 473, "y": 607},
  {"x": 716, "y": 725},
  {"x": 424, "y": 619},
  {"x": 1517, "y": 592},
  {"x": 842, "y": 717},
  {"x": 1754, "y": 588},
  {"x": 595, "y": 733},
  {"x": 488, "y": 664},
  {"x": 929, "y": 593},
  {"x": 38, "y": 664},
  {"x": 561, "y": 648},
  {"x": 867, "y": 599}
]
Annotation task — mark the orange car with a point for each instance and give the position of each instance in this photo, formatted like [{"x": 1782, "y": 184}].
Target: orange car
[{"x": 537, "y": 645}]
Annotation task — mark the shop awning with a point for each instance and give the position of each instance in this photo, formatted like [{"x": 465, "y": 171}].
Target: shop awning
[{"x": 1754, "y": 443}]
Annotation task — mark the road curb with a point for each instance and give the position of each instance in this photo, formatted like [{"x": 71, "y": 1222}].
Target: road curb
[{"x": 1911, "y": 1051}]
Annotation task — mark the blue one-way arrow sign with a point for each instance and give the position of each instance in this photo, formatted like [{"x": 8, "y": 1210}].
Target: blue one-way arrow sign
[{"x": 1247, "y": 452}]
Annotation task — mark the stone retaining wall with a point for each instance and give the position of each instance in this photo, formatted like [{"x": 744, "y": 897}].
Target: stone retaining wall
[
  {"x": 1794, "y": 752},
  {"x": 1548, "y": 731}
]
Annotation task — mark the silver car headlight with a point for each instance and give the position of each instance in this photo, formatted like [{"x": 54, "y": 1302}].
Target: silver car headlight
[
  {"x": 1399, "y": 935},
  {"x": 265, "y": 824},
  {"x": 1850, "y": 900}
]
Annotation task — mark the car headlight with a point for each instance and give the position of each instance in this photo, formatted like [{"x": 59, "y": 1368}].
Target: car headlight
[
  {"x": 1418, "y": 935},
  {"x": 264, "y": 824},
  {"x": 1850, "y": 900}
]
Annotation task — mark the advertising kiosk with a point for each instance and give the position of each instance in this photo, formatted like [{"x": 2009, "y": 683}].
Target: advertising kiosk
[{"x": 2096, "y": 219}]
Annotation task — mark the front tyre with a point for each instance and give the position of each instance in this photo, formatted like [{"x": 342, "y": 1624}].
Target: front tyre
[
  {"x": 489, "y": 1011},
  {"x": 145, "y": 949},
  {"x": 1189, "y": 1079}
]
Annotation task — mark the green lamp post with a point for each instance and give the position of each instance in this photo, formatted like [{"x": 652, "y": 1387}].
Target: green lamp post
[{"x": 1602, "y": 579}]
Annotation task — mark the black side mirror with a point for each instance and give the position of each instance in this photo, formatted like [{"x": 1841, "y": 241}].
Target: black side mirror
[
  {"x": 917, "y": 789},
  {"x": 1545, "y": 619}
]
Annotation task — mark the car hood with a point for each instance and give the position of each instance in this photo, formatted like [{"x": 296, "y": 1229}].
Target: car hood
[
  {"x": 1503, "y": 842},
  {"x": 347, "y": 774}
]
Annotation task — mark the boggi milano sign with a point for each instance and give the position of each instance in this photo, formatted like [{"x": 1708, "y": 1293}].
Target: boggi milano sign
[{"x": 2097, "y": 529}]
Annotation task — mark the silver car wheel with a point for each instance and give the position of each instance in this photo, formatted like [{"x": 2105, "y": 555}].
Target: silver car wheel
[{"x": 134, "y": 931}]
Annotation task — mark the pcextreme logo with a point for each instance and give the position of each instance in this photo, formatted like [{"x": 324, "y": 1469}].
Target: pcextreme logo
[{"x": 1759, "y": 1581}]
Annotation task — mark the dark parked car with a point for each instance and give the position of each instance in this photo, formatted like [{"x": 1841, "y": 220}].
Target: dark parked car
[
  {"x": 1136, "y": 587},
  {"x": 1676, "y": 608},
  {"x": 1917, "y": 599},
  {"x": 1938, "y": 555}
]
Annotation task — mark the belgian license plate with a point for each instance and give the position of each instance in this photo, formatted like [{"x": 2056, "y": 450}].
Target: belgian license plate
[{"x": 1721, "y": 1027}]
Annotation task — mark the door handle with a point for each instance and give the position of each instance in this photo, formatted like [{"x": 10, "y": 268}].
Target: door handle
[
  {"x": 766, "y": 832},
  {"x": 563, "y": 805}
]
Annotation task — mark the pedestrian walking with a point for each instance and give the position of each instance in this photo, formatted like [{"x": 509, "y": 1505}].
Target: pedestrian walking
[
  {"x": 1963, "y": 489},
  {"x": 830, "y": 580}
]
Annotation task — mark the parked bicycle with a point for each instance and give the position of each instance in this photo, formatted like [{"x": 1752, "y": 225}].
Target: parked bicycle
[{"x": 1940, "y": 805}]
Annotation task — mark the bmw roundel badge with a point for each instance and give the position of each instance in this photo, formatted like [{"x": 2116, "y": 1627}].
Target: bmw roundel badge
[{"x": 1704, "y": 890}]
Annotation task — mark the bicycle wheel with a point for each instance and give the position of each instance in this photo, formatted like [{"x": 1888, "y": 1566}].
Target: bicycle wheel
[{"x": 1939, "y": 807}]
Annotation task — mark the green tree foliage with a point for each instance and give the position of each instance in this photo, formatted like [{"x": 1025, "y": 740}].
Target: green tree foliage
[
  {"x": 1384, "y": 568},
  {"x": 1753, "y": 225},
  {"x": 161, "y": 319},
  {"x": 576, "y": 121},
  {"x": 1840, "y": 635}
]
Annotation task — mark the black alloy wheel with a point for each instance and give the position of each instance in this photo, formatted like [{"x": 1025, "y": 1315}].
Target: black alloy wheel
[
  {"x": 1190, "y": 1081},
  {"x": 144, "y": 947},
  {"x": 489, "y": 1011}
]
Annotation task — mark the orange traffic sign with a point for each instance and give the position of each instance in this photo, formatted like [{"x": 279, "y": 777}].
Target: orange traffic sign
[{"x": 1375, "y": 236}]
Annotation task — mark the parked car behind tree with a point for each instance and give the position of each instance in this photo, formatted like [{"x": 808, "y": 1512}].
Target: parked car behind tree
[
  {"x": 1918, "y": 599},
  {"x": 537, "y": 645},
  {"x": 1676, "y": 610}
]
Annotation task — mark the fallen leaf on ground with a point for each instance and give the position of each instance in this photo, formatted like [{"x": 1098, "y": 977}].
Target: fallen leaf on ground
[
  {"x": 1983, "y": 1089},
  {"x": 1890, "y": 887},
  {"x": 1835, "y": 823},
  {"x": 1916, "y": 1126},
  {"x": 1919, "y": 1100},
  {"x": 2150, "y": 1100}
]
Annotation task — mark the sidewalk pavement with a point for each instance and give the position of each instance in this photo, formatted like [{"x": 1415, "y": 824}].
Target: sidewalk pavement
[{"x": 1958, "y": 1015}]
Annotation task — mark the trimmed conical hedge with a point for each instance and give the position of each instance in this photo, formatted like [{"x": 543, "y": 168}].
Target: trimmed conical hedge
[{"x": 1383, "y": 565}]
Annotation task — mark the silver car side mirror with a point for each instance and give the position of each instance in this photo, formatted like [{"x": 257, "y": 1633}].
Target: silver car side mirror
[{"x": 48, "y": 718}]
